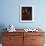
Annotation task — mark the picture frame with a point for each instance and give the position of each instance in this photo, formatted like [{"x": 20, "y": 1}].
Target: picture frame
[{"x": 26, "y": 13}]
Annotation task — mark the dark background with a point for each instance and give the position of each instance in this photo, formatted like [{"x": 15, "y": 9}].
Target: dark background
[{"x": 26, "y": 13}]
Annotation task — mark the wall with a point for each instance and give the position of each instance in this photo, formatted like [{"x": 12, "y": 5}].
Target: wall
[{"x": 9, "y": 13}]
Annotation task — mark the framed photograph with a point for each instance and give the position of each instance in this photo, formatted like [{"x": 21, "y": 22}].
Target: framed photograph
[{"x": 26, "y": 13}]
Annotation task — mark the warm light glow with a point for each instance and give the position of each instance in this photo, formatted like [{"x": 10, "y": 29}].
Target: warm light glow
[{"x": 44, "y": 44}]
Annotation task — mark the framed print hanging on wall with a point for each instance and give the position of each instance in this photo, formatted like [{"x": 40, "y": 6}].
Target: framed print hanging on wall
[{"x": 26, "y": 13}]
